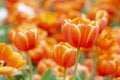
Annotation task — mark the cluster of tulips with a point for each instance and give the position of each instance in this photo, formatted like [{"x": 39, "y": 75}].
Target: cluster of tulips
[{"x": 61, "y": 40}]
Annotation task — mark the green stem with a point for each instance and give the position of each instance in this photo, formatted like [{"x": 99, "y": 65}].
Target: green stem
[
  {"x": 94, "y": 68},
  {"x": 30, "y": 65},
  {"x": 65, "y": 73},
  {"x": 23, "y": 74},
  {"x": 76, "y": 63}
]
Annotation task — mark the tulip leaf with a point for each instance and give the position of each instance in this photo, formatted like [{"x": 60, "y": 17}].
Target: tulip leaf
[
  {"x": 81, "y": 76},
  {"x": 48, "y": 75}
]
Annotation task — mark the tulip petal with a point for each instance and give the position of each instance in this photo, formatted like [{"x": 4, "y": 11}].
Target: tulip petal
[
  {"x": 7, "y": 70},
  {"x": 21, "y": 41}
]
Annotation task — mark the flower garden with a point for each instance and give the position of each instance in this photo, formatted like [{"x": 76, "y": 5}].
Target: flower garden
[{"x": 59, "y": 40}]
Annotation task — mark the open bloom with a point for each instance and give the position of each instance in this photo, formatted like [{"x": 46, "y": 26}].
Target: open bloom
[
  {"x": 10, "y": 62},
  {"x": 64, "y": 54},
  {"x": 80, "y": 32},
  {"x": 24, "y": 37}
]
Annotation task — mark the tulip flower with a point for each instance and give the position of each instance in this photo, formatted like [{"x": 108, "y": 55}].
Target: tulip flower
[
  {"x": 106, "y": 67},
  {"x": 64, "y": 55},
  {"x": 105, "y": 40},
  {"x": 10, "y": 62},
  {"x": 80, "y": 32},
  {"x": 24, "y": 37}
]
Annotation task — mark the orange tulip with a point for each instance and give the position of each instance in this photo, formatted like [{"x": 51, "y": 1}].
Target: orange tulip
[
  {"x": 10, "y": 62},
  {"x": 106, "y": 67},
  {"x": 102, "y": 19},
  {"x": 24, "y": 36},
  {"x": 80, "y": 32},
  {"x": 64, "y": 54},
  {"x": 105, "y": 40}
]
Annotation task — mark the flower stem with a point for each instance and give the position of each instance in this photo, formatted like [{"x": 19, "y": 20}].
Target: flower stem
[
  {"x": 65, "y": 73},
  {"x": 30, "y": 65},
  {"x": 76, "y": 63}
]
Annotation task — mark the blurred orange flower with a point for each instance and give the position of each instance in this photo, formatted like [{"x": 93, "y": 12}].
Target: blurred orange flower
[
  {"x": 10, "y": 62},
  {"x": 109, "y": 7},
  {"x": 44, "y": 49},
  {"x": 105, "y": 40},
  {"x": 80, "y": 32},
  {"x": 24, "y": 36},
  {"x": 106, "y": 66},
  {"x": 38, "y": 52},
  {"x": 102, "y": 19},
  {"x": 47, "y": 21},
  {"x": 64, "y": 54}
]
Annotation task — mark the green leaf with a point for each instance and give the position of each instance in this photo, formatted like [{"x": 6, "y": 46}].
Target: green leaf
[
  {"x": 48, "y": 75},
  {"x": 4, "y": 33},
  {"x": 81, "y": 76}
]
